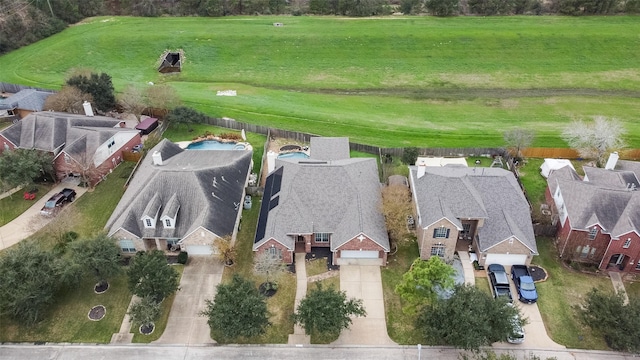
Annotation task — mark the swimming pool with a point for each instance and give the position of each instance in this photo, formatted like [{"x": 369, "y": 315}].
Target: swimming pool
[
  {"x": 293, "y": 155},
  {"x": 216, "y": 145}
]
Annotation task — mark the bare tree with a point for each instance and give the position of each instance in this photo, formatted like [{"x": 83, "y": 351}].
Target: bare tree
[
  {"x": 595, "y": 140},
  {"x": 396, "y": 206},
  {"x": 518, "y": 139},
  {"x": 226, "y": 250},
  {"x": 83, "y": 165},
  {"x": 132, "y": 100},
  {"x": 162, "y": 98},
  {"x": 269, "y": 266},
  {"x": 69, "y": 100}
]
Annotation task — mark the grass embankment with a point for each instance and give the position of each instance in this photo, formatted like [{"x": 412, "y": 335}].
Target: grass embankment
[
  {"x": 396, "y": 81},
  {"x": 12, "y": 206}
]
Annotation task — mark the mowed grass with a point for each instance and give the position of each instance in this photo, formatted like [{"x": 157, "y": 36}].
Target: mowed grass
[
  {"x": 560, "y": 294},
  {"x": 396, "y": 81},
  {"x": 12, "y": 206}
]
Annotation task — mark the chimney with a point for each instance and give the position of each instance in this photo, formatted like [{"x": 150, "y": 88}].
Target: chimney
[
  {"x": 157, "y": 158},
  {"x": 271, "y": 161},
  {"x": 422, "y": 168},
  {"x": 613, "y": 159},
  {"x": 87, "y": 108}
]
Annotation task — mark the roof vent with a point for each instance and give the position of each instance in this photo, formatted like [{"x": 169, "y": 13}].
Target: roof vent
[
  {"x": 613, "y": 160},
  {"x": 157, "y": 158}
]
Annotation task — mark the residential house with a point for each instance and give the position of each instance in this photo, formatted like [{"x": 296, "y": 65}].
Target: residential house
[
  {"x": 23, "y": 103},
  {"x": 326, "y": 201},
  {"x": 598, "y": 215},
  {"x": 181, "y": 199},
  {"x": 478, "y": 209},
  {"x": 81, "y": 145}
]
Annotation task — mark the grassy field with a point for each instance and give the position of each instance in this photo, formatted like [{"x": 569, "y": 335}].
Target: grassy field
[
  {"x": 12, "y": 206},
  {"x": 396, "y": 81}
]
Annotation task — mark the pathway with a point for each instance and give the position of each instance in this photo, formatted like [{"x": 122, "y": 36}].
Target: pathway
[
  {"x": 299, "y": 337},
  {"x": 467, "y": 268},
  {"x": 618, "y": 285},
  {"x": 125, "y": 336}
]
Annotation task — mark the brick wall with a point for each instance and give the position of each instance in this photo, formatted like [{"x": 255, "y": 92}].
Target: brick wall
[
  {"x": 617, "y": 247},
  {"x": 4, "y": 142},
  {"x": 287, "y": 254},
  {"x": 122, "y": 234},
  {"x": 571, "y": 246},
  {"x": 427, "y": 240},
  {"x": 507, "y": 247},
  {"x": 365, "y": 244}
]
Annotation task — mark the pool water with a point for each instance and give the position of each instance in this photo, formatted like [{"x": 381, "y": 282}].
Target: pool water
[
  {"x": 216, "y": 145},
  {"x": 293, "y": 155}
]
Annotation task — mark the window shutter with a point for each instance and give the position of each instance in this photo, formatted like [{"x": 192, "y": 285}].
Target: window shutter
[
  {"x": 434, "y": 232},
  {"x": 448, "y": 233}
]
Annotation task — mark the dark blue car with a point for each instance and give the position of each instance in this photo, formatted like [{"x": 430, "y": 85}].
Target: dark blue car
[{"x": 524, "y": 284}]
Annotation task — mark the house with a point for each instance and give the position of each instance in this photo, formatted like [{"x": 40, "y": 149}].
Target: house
[
  {"x": 598, "y": 215},
  {"x": 326, "y": 201},
  {"x": 181, "y": 199},
  {"x": 81, "y": 145},
  {"x": 480, "y": 209},
  {"x": 24, "y": 102}
]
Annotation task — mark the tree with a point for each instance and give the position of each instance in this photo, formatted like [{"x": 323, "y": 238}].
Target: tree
[
  {"x": 132, "y": 100},
  {"x": 595, "y": 140},
  {"x": 23, "y": 166},
  {"x": 396, "y": 205},
  {"x": 420, "y": 285},
  {"x": 99, "y": 86},
  {"x": 185, "y": 115},
  {"x": 226, "y": 250},
  {"x": 270, "y": 267},
  {"x": 409, "y": 155},
  {"x": 28, "y": 282},
  {"x": 100, "y": 255},
  {"x": 327, "y": 311},
  {"x": 69, "y": 99},
  {"x": 518, "y": 139},
  {"x": 84, "y": 166},
  {"x": 237, "y": 311},
  {"x": 410, "y": 6},
  {"x": 145, "y": 311},
  {"x": 606, "y": 313},
  {"x": 469, "y": 319},
  {"x": 442, "y": 7},
  {"x": 151, "y": 276},
  {"x": 162, "y": 98}
]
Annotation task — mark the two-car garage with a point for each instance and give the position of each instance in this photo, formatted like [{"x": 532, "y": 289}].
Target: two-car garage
[
  {"x": 506, "y": 259},
  {"x": 199, "y": 250},
  {"x": 359, "y": 257}
]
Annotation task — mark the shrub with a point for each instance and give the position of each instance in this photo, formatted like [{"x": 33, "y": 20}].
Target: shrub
[{"x": 183, "y": 257}]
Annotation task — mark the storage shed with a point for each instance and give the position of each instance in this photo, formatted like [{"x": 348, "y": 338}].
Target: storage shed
[{"x": 553, "y": 164}]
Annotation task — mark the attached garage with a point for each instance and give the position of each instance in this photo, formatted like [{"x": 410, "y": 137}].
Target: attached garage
[
  {"x": 199, "y": 250},
  {"x": 356, "y": 254},
  {"x": 506, "y": 259}
]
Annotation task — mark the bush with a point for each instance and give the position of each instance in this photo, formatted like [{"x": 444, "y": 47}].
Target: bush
[
  {"x": 183, "y": 257},
  {"x": 409, "y": 155}
]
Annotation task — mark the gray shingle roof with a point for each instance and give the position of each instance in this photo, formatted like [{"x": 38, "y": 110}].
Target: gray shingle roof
[
  {"x": 603, "y": 200},
  {"x": 27, "y": 99},
  {"x": 615, "y": 179},
  {"x": 207, "y": 185},
  {"x": 492, "y": 194},
  {"x": 338, "y": 197},
  {"x": 329, "y": 148}
]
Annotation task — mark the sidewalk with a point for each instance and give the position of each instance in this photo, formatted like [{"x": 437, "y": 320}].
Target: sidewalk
[
  {"x": 467, "y": 267},
  {"x": 299, "y": 336},
  {"x": 618, "y": 285},
  {"x": 31, "y": 221}
]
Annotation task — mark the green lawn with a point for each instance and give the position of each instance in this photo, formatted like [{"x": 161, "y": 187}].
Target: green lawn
[
  {"x": 11, "y": 207},
  {"x": 391, "y": 81},
  {"x": 558, "y": 295},
  {"x": 316, "y": 266}
]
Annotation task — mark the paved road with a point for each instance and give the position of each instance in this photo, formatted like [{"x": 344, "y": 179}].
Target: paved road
[{"x": 280, "y": 352}]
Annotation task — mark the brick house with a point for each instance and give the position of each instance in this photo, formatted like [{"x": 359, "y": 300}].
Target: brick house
[
  {"x": 480, "y": 209},
  {"x": 598, "y": 215},
  {"x": 328, "y": 200},
  {"x": 181, "y": 199},
  {"x": 79, "y": 143},
  {"x": 23, "y": 103}
]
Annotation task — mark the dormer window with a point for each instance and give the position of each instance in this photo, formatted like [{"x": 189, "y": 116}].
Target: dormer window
[
  {"x": 150, "y": 214},
  {"x": 148, "y": 223},
  {"x": 170, "y": 213},
  {"x": 167, "y": 223}
]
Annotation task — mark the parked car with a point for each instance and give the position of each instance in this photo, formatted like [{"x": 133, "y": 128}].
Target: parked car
[
  {"x": 517, "y": 334},
  {"x": 524, "y": 284},
  {"x": 499, "y": 282},
  {"x": 57, "y": 201}
]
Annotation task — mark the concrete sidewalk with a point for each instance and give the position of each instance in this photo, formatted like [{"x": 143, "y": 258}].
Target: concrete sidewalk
[
  {"x": 299, "y": 337},
  {"x": 467, "y": 267},
  {"x": 31, "y": 221},
  {"x": 618, "y": 285}
]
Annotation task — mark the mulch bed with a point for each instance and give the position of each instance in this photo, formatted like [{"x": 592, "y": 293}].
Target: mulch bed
[
  {"x": 147, "y": 329},
  {"x": 97, "y": 313},
  {"x": 538, "y": 273},
  {"x": 266, "y": 292},
  {"x": 101, "y": 287}
]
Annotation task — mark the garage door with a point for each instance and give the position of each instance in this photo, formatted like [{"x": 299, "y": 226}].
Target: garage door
[
  {"x": 197, "y": 250},
  {"x": 356, "y": 254},
  {"x": 506, "y": 259}
]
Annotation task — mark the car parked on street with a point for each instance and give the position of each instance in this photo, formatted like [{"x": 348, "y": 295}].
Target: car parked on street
[
  {"x": 57, "y": 201},
  {"x": 499, "y": 282},
  {"x": 524, "y": 284}
]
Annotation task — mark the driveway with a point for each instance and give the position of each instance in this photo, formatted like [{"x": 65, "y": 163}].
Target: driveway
[
  {"x": 364, "y": 282},
  {"x": 198, "y": 283},
  {"x": 31, "y": 221}
]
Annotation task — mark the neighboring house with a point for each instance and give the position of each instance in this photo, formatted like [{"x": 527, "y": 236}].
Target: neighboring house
[
  {"x": 181, "y": 199},
  {"x": 475, "y": 208},
  {"x": 81, "y": 145},
  {"x": 328, "y": 200},
  {"x": 24, "y": 102},
  {"x": 599, "y": 215}
]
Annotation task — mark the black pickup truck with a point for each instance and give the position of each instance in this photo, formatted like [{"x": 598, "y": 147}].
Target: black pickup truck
[{"x": 499, "y": 282}]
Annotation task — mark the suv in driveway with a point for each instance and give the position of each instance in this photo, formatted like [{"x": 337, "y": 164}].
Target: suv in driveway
[
  {"x": 57, "y": 201},
  {"x": 499, "y": 282}
]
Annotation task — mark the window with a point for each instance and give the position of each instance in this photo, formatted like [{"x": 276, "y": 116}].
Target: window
[
  {"x": 638, "y": 266},
  {"x": 593, "y": 232},
  {"x": 147, "y": 223},
  {"x": 127, "y": 246},
  {"x": 466, "y": 229},
  {"x": 437, "y": 249},
  {"x": 585, "y": 251},
  {"x": 627, "y": 243},
  {"x": 67, "y": 158},
  {"x": 167, "y": 223},
  {"x": 275, "y": 253},
  {"x": 322, "y": 237},
  {"x": 441, "y": 233}
]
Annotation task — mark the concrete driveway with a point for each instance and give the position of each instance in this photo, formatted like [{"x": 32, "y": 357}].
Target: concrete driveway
[
  {"x": 31, "y": 221},
  {"x": 364, "y": 282},
  {"x": 199, "y": 280}
]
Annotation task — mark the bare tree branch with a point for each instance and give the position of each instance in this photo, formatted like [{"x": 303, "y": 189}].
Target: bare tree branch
[{"x": 595, "y": 140}]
